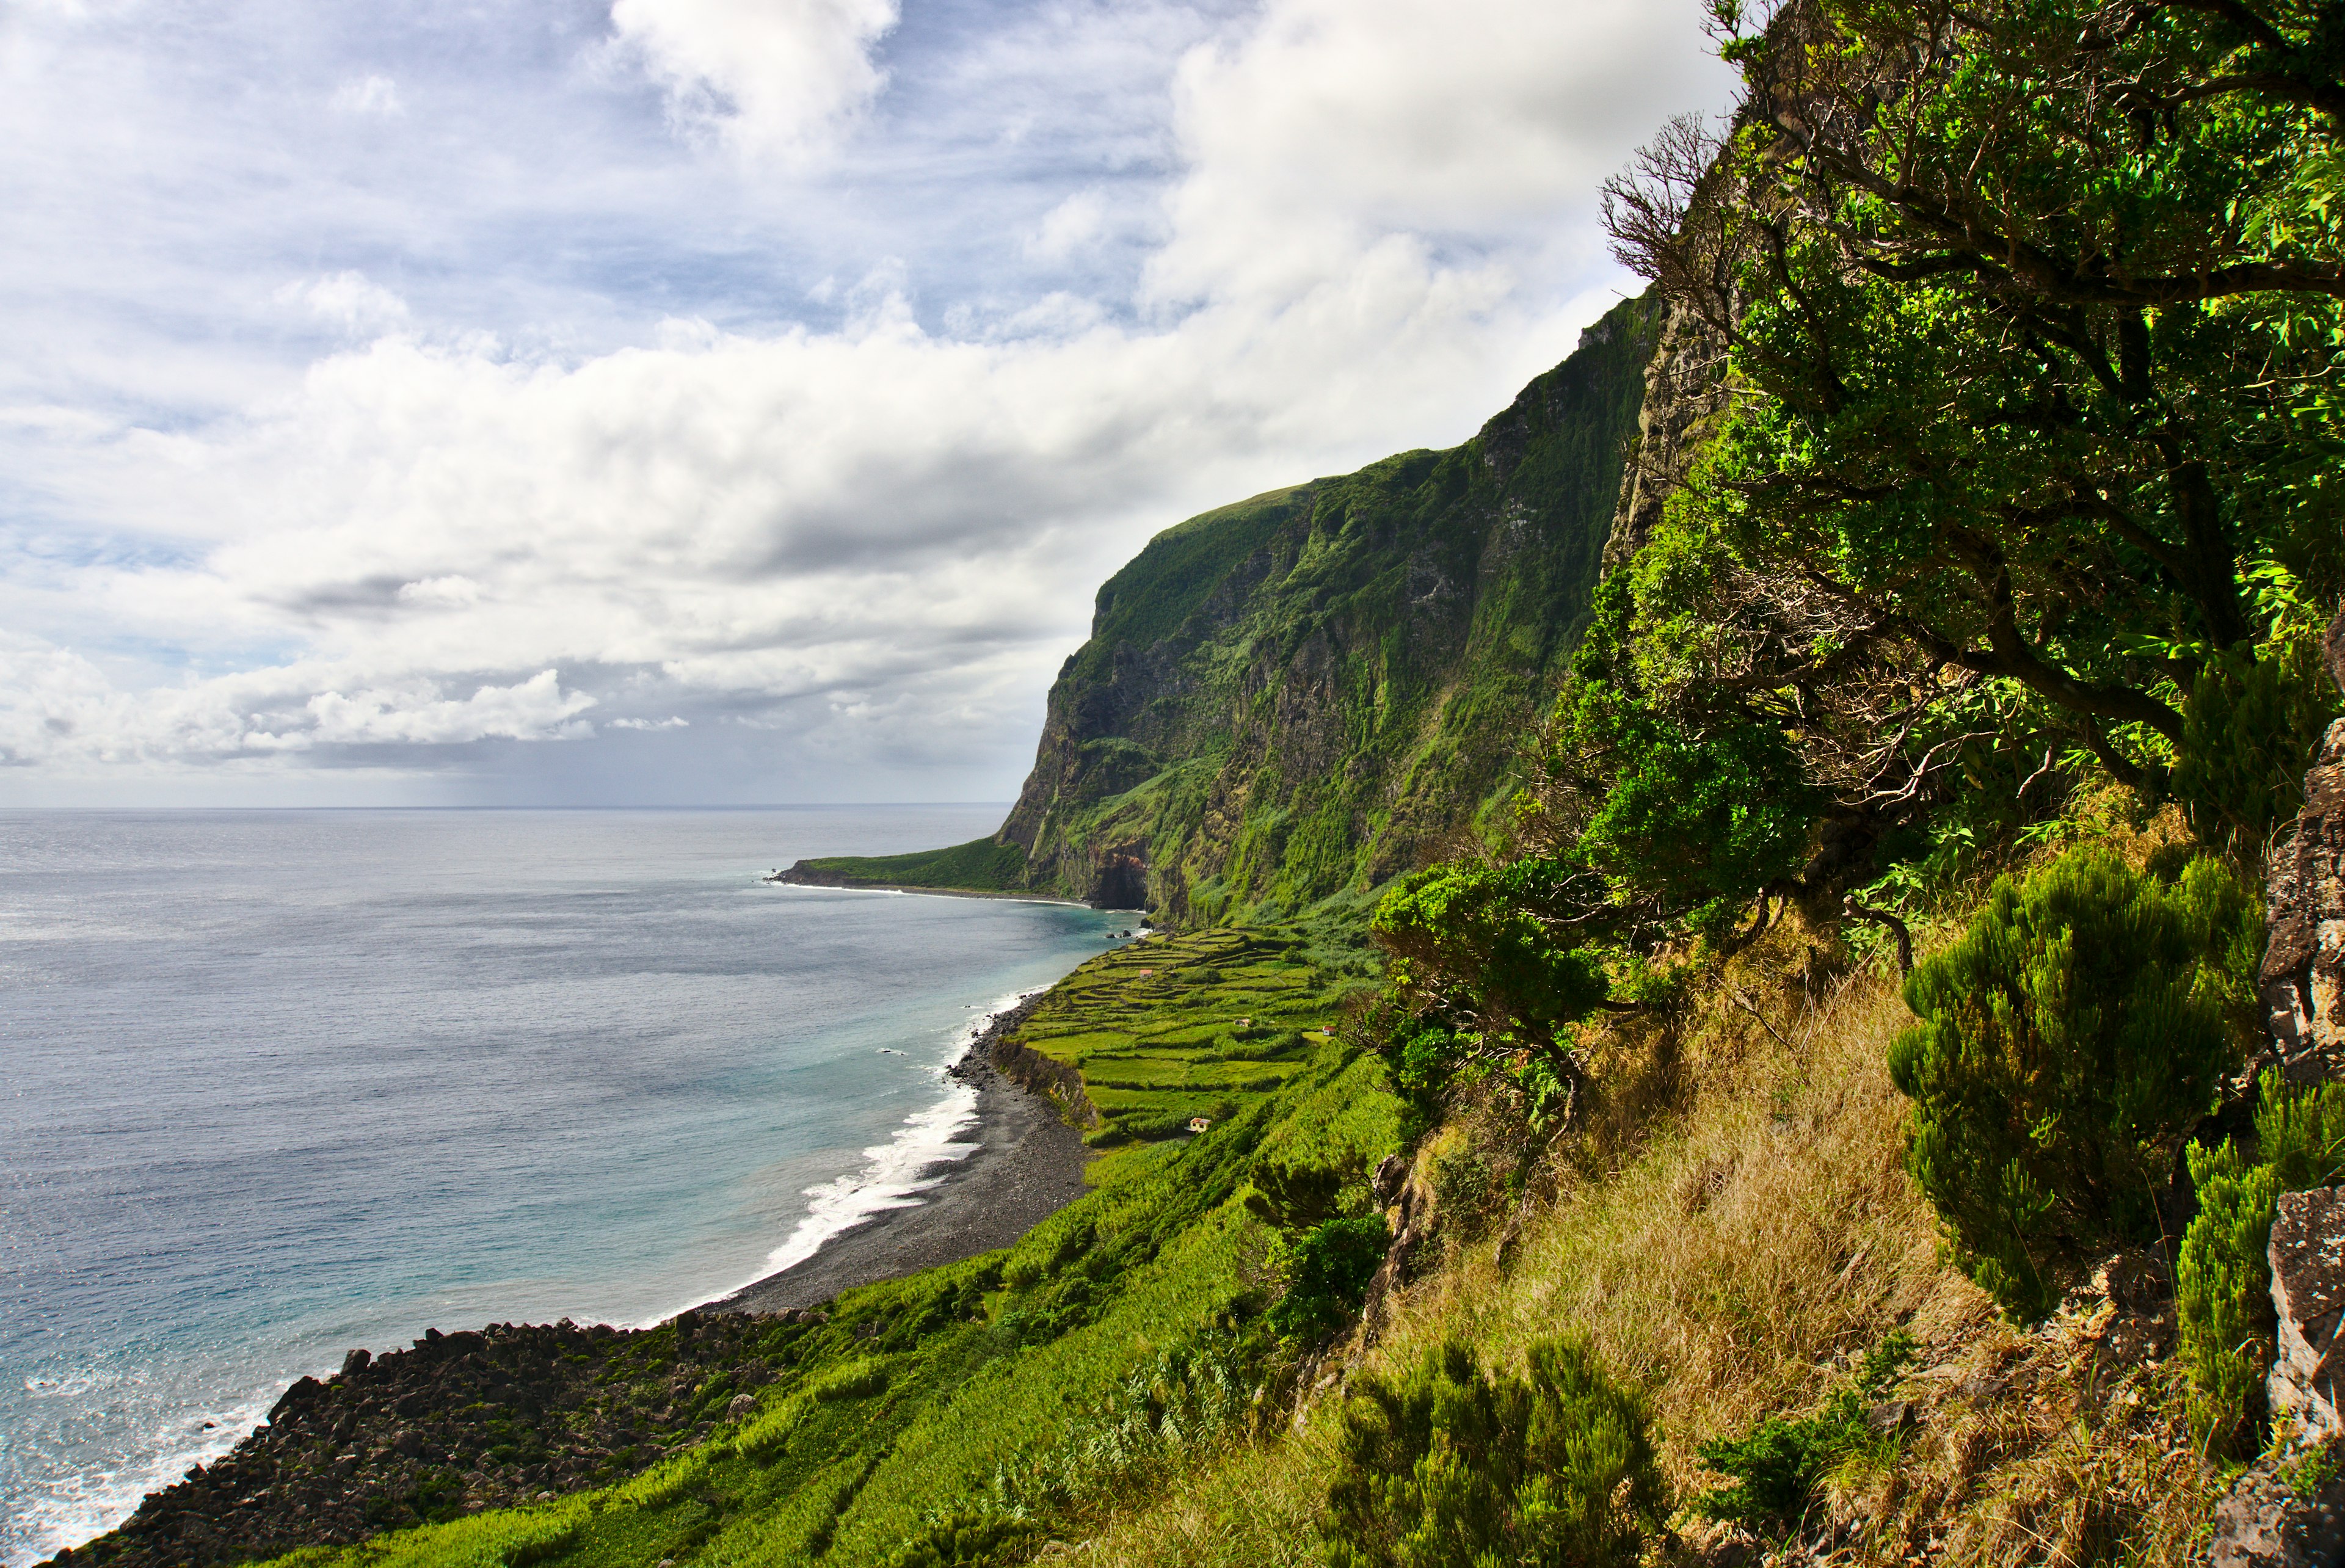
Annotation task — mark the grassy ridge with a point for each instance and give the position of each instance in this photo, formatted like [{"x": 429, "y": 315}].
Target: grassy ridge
[
  {"x": 1292, "y": 698},
  {"x": 980, "y": 866}
]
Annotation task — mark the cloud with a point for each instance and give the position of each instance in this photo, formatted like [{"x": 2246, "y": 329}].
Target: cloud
[
  {"x": 373, "y": 94},
  {"x": 1073, "y": 223},
  {"x": 348, "y": 300},
  {"x": 59, "y": 709},
  {"x": 774, "y": 77},
  {"x": 851, "y": 547}
]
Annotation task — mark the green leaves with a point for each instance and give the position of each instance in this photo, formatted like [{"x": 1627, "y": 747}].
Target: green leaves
[
  {"x": 2249, "y": 729},
  {"x": 1327, "y": 1277},
  {"x": 2069, "y": 1042},
  {"x": 2033, "y": 320},
  {"x": 1450, "y": 1467},
  {"x": 1777, "y": 1467},
  {"x": 2222, "y": 1271},
  {"x": 1481, "y": 931}
]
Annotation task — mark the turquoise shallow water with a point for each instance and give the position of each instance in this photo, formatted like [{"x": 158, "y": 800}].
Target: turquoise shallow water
[{"x": 276, "y": 1084}]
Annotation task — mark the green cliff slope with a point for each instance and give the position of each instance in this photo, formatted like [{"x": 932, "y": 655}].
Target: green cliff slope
[{"x": 1302, "y": 694}]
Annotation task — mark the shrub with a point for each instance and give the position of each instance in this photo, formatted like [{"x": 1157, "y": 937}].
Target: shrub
[
  {"x": 1328, "y": 1276},
  {"x": 1464, "y": 1189},
  {"x": 2069, "y": 1041},
  {"x": 1449, "y": 1468},
  {"x": 2248, "y": 732},
  {"x": 1301, "y": 1195},
  {"x": 1776, "y": 1469},
  {"x": 2222, "y": 1273},
  {"x": 858, "y": 1380},
  {"x": 970, "y": 1541},
  {"x": 1477, "y": 925}
]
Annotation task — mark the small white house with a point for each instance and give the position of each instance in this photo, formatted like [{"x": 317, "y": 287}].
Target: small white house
[{"x": 1199, "y": 1123}]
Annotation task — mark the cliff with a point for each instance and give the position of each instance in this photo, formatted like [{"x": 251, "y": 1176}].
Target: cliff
[{"x": 1308, "y": 692}]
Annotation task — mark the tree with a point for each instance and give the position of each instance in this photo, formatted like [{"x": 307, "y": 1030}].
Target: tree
[
  {"x": 2068, "y": 1043},
  {"x": 2032, "y": 309}
]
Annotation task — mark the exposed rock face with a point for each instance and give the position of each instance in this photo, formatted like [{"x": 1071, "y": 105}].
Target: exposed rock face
[
  {"x": 1685, "y": 393},
  {"x": 1313, "y": 689},
  {"x": 2308, "y": 1261},
  {"x": 460, "y": 1422},
  {"x": 2305, "y": 963},
  {"x": 2265, "y": 1524}
]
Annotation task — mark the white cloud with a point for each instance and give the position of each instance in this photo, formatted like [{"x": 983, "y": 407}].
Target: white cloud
[
  {"x": 59, "y": 710},
  {"x": 375, "y": 95},
  {"x": 1073, "y": 223},
  {"x": 348, "y": 300},
  {"x": 774, "y": 77},
  {"x": 1331, "y": 120},
  {"x": 868, "y": 539}
]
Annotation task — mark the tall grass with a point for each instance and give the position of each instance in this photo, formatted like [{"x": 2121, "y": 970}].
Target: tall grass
[{"x": 1730, "y": 1246}]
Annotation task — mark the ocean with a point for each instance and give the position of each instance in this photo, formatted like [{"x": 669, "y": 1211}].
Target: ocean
[{"x": 274, "y": 1085}]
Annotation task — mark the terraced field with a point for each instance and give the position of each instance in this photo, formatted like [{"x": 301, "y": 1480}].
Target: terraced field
[{"x": 1172, "y": 1027}]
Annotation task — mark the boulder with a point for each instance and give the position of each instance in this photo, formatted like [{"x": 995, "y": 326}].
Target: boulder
[
  {"x": 2303, "y": 975},
  {"x": 2267, "y": 1522},
  {"x": 2307, "y": 1260}
]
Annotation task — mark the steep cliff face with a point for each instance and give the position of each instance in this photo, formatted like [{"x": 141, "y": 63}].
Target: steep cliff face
[{"x": 1308, "y": 692}]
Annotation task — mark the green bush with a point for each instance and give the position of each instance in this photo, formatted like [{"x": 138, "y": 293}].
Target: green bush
[
  {"x": 2069, "y": 1041},
  {"x": 1775, "y": 1470},
  {"x": 1328, "y": 1276},
  {"x": 970, "y": 1541},
  {"x": 2222, "y": 1274},
  {"x": 1477, "y": 925},
  {"x": 1464, "y": 1189},
  {"x": 1447, "y": 1467},
  {"x": 1302, "y": 1196},
  {"x": 2248, "y": 732}
]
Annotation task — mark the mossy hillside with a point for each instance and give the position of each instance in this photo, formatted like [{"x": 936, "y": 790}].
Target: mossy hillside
[
  {"x": 1201, "y": 1024},
  {"x": 982, "y": 866},
  {"x": 1301, "y": 693},
  {"x": 926, "y": 1396}
]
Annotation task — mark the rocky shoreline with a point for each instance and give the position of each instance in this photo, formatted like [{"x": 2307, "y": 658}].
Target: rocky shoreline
[
  {"x": 457, "y": 1423},
  {"x": 1027, "y": 1164},
  {"x": 463, "y": 1422}
]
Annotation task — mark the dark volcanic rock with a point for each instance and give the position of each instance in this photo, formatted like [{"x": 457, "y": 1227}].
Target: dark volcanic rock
[{"x": 460, "y": 1422}]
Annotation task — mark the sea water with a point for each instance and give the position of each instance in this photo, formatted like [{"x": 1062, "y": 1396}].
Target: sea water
[{"x": 274, "y": 1085}]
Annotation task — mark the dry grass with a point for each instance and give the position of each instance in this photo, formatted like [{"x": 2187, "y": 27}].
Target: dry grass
[{"x": 1734, "y": 1226}]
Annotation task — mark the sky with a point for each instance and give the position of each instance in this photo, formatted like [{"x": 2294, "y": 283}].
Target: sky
[{"x": 722, "y": 401}]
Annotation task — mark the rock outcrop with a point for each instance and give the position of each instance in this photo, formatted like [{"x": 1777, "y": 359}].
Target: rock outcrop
[
  {"x": 460, "y": 1422},
  {"x": 2303, "y": 978},
  {"x": 2307, "y": 1288}
]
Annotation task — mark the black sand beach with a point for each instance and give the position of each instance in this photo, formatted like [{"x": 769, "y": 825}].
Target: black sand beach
[{"x": 1027, "y": 1165}]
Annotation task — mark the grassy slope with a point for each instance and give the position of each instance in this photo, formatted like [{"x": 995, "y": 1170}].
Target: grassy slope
[
  {"x": 915, "y": 1391},
  {"x": 1737, "y": 1226},
  {"x": 982, "y": 866}
]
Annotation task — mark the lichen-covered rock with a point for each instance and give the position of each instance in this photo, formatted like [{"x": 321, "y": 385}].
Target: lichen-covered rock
[
  {"x": 2269, "y": 1521},
  {"x": 2308, "y": 1260},
  {"x": 2303, "y": 979},
  {"x": 1685, "y": 392}
]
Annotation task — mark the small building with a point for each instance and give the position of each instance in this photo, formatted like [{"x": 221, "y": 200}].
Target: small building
[
  {"x": 1199, "y": 1123},
  {"x": 1246, "y": 1023}
]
